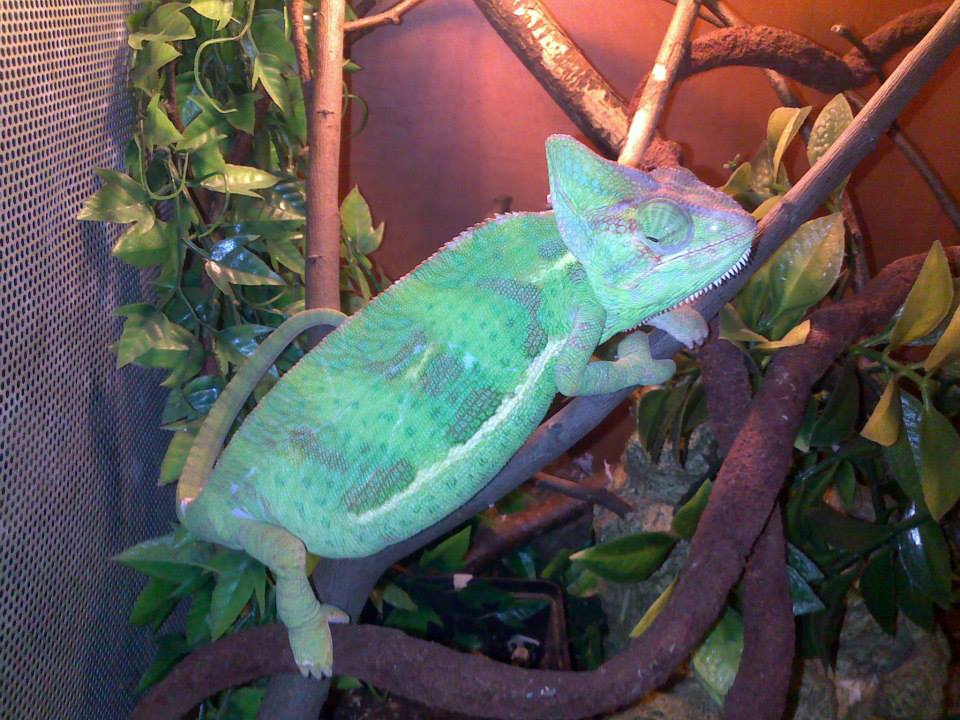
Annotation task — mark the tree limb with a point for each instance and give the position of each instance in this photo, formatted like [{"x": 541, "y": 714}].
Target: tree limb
[{"x": 390, "y": 15}]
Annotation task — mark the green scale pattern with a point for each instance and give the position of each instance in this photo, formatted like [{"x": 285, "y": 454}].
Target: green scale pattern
[{"x": 399, "y": 395}]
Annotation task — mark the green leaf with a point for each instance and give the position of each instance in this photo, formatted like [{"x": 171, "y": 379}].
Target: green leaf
[
  {"x": 157, "y": 127},
  {"x": 923, "y": 553},
  {"x": 398, "y": 597},
  {"x": 947, "y": 348},
  {"x": 883, "y": 427},
  {"x": 268, "y": 70},
  {"x": 686, "y": 519},
  {"x": 120, "y": 200},
  {"x": 154, "y": 603},
  {"x": 928, "y": 302},
  {"x": 416, "y": 622},
  {"x": 170, "y": 557},
  {"x": 237, "y": 576},
  {"x": 939, "y": 462},
  {"x": 196, "y": 625},
  {"x": 202, "y": 392},
  {"x": 205, "y": 130},
  {"x": 155, "y": 55},
  {"x": 244, "y": 703},
  {"x": 840, "y": 414},
  {"x": 844, "y": 531},
  {"x": 782, "y": 127},
  {"x": 803, "y": 270},
  {"x": 448, "y": 555},
  {"x": 232, "y": 262},
  {"x": 175, "y": 457},
  {"x": 355, "y": 217},
  {"x": 795, "y": 336},
  {"x": 284, "y": 252},
  {"x": 627, "y": 559},
  {"x": 244, "y": 117},
  {"x": 156, "y": 246},
  {"x": 519, "y": 611},
  {"x": 903, "y": 456},
  {"x": 219, "y": 10},
  {"x": 805, "y": 600},
  {"x": 146, "y": 330},
  {"x": 716, "y": 661},
  {"x": 846, "y": 483},
  {"x": 240, "y": 341},
  {"x": 914, "y": 604},
  {"x": 830, "y": 123},
  {"x": 878, "y": 590},
  {"x": 802, "y": 564},
  {"x": 650, "y": 615},
  {"x": 166, "y": 24},
  {"x": 240, "y": 180},
  {"x": 734, "y": 329},
  {"x": 170, "y": 649}
]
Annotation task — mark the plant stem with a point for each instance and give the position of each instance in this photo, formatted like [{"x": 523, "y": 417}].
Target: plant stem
[
  {"x": 323, "y": 174},
  {"x": 664, "y": 73}
]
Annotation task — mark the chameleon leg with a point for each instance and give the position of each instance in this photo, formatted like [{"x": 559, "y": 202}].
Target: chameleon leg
[
  {"x": 684, "y": 323},
  {"x": 307, "y": 620},
  {"x": 576, "y": 375}
]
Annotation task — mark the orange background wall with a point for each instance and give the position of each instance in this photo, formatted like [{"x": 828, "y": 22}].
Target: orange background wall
[{"x": 456, "y": 120}]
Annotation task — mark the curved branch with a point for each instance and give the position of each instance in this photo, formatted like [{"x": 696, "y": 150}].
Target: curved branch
[
  {"x": 390, "y": 15},
  {"x": 743, "y": 497}
]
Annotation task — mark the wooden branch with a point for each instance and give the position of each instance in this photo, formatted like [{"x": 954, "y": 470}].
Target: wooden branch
[
  {"x": 300, "y": 44},
  {"x": 324, "y": 127},
  {"x": 585, "y": 491},
  {"x": 743, "y": 497},
  {"x": 759, "y": 691},
  {"x": 659, "y": 82},
  {"x": 391, "y": 15},
  {"x": 726, "y": 385}
]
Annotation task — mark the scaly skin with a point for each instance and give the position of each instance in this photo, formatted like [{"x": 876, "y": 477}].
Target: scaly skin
[{"x": 409, "y": 408}]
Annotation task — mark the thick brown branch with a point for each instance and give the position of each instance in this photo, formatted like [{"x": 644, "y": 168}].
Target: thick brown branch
[
  {"x": 726, "y": 384},
  {"x": 742, "y": 500},
  {"x": 759, "y": 691},
  {"x": 391, "y": 15}
]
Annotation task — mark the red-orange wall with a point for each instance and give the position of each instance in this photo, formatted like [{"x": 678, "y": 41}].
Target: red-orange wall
[{"x": 455, "y": 119}]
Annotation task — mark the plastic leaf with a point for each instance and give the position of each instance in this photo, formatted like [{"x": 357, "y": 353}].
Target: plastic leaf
[
  {"x": 398, "y": 597},
  {"x": 841, "y": 411},
  {"x": 448, "y": 555},
  {"x": 782, "y": 127},
  {"x": 716, "y": 661},
  {"x": 219, "y": 10},
  {"x": 685, "y": 521},
  {"x": 154, "y": 56},
  {"x": 175, "y": 457},
  {"x": 268, "y": 70},
  {"x": 205, "y": 130},
  {"x": 627, "y": 559},
  {"x": 650, "y": 615},
  {"x": 244, "y": 115},
  {"x": 733, "y": 328},
  {"x": 284, "y": 252},
  {"x": 883, "y": 427},
  {"x": 146, "y": 248},
  {"x": 157, "y": 127},
  {"x": 947, "y": 348},
  {"x": 939, "y": 462},
  {"x": 830, "y": 123},
  {"x": 154, "y": 603},
  {"x": 231, "y": 261},
  {"x": 805, "y": 600},
  {"x": 121, "y": 200},
  {"x": 796, "y": 336},
  {"x": 877, "y": 588},
  {"x": 167, "y": 557},
  {"x": 925, "y": 559},
  {"x": 928, "y": 302},
  {"x": 165, "y": 24},
  {"x": 914, "y": 604},
  {"x": 240, "y": 180},
  {"x": 237, "y": 577},
  {"x": 903, "y": 456},
  {"x": 802, "y": 564},
  {"x": 170, "y": 648},
  {"x": 806, "y": 266}
]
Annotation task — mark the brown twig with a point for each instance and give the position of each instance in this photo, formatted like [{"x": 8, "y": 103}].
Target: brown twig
[
  {"x": 851, "y": 37},
  {"x": 585, "y": 491},
  {"x": 393, "y": 15},
  {"x": 300, "y": 44},
  {"x": 659, "y": 82},
  {"x": 743, "y": 497},
  {"x": 707, "y": 17}
]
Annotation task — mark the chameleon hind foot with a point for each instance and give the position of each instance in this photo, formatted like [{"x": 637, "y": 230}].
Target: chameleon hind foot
[{"x": 312, "y": 644}]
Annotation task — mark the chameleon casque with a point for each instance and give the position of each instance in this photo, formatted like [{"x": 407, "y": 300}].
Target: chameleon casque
[{"x": 410, "y": 407}]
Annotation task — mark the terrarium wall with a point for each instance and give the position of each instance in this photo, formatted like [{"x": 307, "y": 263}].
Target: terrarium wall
[
  {"x": 456, "y": 120},
  {"x": 79, "y": 443}
]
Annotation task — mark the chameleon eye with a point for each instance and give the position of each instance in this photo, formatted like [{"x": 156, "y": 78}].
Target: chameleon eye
[{"x": 665, "y": 225}]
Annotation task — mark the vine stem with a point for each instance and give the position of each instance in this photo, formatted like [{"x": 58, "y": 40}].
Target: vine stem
[
  {"x": 662, "y": 76},
  {"x": 323, "y": 174}
]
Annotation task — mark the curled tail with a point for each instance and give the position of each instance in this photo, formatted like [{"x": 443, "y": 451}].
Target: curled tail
[{"x": 209, "y": 441}]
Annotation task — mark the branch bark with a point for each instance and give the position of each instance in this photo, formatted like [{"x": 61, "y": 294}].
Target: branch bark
[{"x": 391, "y": 15}]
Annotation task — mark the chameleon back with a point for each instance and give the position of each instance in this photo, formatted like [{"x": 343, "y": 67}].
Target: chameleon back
[{"x": 410, "y": 407}]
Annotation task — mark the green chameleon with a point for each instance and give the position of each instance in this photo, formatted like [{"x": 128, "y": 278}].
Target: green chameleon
[{"x": 410, "y": 407}]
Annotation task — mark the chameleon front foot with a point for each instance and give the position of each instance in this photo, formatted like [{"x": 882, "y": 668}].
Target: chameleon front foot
[{"x": 312, "y": 644}]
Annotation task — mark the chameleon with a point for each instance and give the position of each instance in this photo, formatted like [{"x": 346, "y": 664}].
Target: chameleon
[{"x": 409, "y": 407}]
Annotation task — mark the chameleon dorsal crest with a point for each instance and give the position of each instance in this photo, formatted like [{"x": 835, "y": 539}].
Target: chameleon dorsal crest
[{"x": 633, "y": 230}]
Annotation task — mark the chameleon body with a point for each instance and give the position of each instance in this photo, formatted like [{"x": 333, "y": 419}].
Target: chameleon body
[{"x": 409, "y": 408}]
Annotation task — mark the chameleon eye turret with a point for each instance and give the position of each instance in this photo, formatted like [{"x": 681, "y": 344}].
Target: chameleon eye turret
[{"x": 664, "y": 226}]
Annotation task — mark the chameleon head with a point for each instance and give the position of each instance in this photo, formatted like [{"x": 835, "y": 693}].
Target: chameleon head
[{"x": 647, "y": 241}]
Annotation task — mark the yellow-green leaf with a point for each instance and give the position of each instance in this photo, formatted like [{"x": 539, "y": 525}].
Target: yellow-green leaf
[
  {"x": 806, "y": 266},
  {"x": 165, "y": 24},
  {"x": 928, "y": 302},
  {"x": 157, "y": 127},
  {"x": 219, "y": 10},
  {"x": 883, "y": 427},
  {"x": 240, "y": 180},
  {"x": 733, "y": 328},
  {"x": 832, "y": 120},
  {"x": 947, "y": 348},
  {"x": 766, "y": 206},
  {"x": 627, "y": 559},
  {"x": 146, "y": 249},
  {"x": 716, "y": 661},
  {"x": 175, "y": 457},
  {"x": 782, "y": 128},
  {"x": 939, "y": 462},
  {"x": 796, "y": 336},
  {"x": 653, "y": 610},
  {"x": 268, "y": 70}
]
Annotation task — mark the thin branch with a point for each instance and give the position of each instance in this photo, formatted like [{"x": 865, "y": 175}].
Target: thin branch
[
  {"x": 743, "y": 497},
  {"x": 300, "y": 44},
  {"x": 391, "y": 15},
  {"x": 851, "y": 37},
  {"x": 707, "y": 17},
  {"x": 583, "y": 491},
  {"x": 665, "y": 71}
]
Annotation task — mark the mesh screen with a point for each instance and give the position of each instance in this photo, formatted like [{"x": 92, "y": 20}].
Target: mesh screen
[{"x": 79, "y": 445}]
